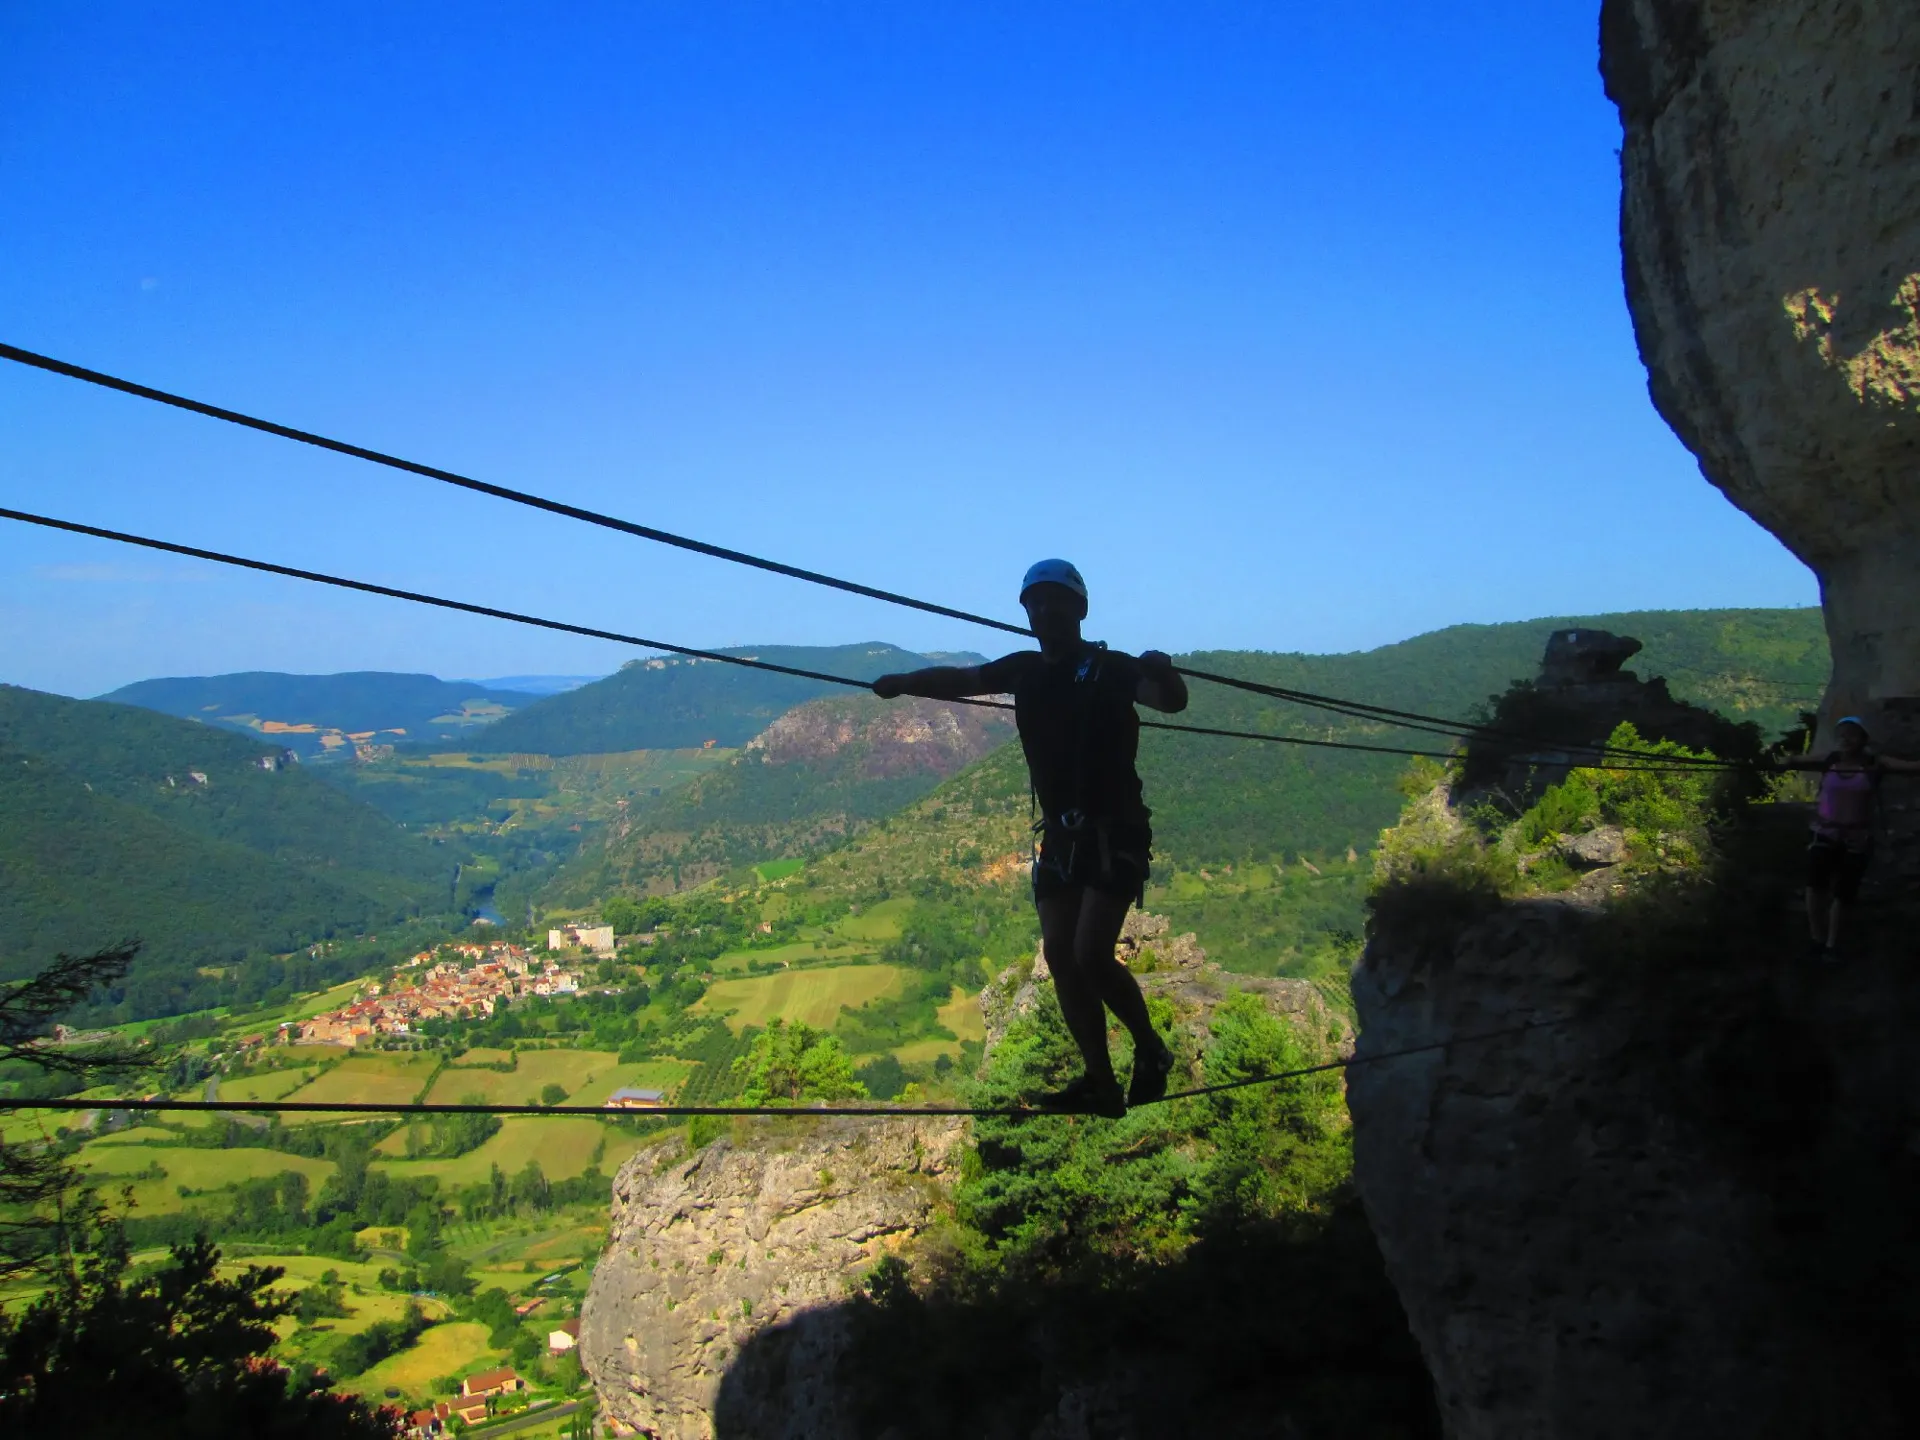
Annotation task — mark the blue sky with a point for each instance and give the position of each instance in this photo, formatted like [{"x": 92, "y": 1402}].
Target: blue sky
[{"x": 1297, "y": 326}]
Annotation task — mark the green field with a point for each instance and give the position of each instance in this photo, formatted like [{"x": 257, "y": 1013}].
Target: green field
[
  {"x": 773, "y": 870},
  {"x": 799, "y": 952},
  {"x": 644, "y": 1075},
  {"x": 197, "y": 1169},
  {"x": 569, "y": 1069},
  {"x": 441, "y": 1350},
  {"x": 563, "y": 1145},
  {"x": 367, "y": 1079},
  {"x": 482, "y": 1055},
  {"x": 268, "y": 1085},
  {"x": 877, "y": 922},
  {"x": 138, "y": 1135},
  {"x": 808, "y": 997}
]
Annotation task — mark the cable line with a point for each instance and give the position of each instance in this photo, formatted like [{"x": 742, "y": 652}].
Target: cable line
[
  {"x": 359, "y": 1107},
  {"x": 500, "y": 492},
  {"x": 494, "y": 613},
  {"x": 1352, "y": 709}
]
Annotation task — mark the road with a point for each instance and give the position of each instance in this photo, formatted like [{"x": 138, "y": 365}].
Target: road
[{"x": 522, "y": 1422}]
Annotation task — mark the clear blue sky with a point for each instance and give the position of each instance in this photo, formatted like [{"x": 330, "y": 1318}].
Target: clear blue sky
[{"x": 1297, "y": 326}]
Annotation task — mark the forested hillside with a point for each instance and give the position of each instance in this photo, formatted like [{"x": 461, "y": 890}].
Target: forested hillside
[
  {"x": 816, "y": 775},
  {"x": 673, "y": 704},
  {"x": 123, "y": 822}
]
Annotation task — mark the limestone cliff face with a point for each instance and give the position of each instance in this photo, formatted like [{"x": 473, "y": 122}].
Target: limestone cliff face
[
  {"x": 1770, "y": 226},
  {"x": 878, "y": 741},
  {"x": 762, "y": 1230}
]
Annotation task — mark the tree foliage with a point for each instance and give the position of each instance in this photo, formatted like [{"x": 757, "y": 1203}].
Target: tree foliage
[{"x": 792, "y": 1064}]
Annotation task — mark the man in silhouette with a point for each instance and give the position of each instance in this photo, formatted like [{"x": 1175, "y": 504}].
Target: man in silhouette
[{"x": 1073, "y": 701}]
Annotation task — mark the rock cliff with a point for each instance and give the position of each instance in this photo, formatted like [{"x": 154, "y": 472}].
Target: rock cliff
[
  {"x": 719, "y": 1306},
  {"x": 759, "y": 1231},
  {"x": 1770, "y": 230},
  {"x": 879, "y": 741}
]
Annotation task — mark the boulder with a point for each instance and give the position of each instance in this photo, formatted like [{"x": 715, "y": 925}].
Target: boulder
[{"x": 1596, "y": 848}]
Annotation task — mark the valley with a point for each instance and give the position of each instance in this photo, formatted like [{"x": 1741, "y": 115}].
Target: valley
[{"x": 840, "y": 869}]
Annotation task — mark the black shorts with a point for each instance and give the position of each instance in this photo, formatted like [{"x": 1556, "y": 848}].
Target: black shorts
[
  {"x": 1113, "y": 859},
  {"x": 1832, "y": 866}
]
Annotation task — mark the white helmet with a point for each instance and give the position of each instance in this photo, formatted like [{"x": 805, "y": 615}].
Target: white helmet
[{"x": 1053, "y": 572}]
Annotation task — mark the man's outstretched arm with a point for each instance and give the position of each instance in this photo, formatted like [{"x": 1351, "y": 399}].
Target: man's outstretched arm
[
  {"x": 938, "y": 682},
  {"x": 1161, "y": 687}
]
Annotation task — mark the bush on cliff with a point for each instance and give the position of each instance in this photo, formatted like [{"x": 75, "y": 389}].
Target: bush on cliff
[{"x": 1201, "y": 1265}]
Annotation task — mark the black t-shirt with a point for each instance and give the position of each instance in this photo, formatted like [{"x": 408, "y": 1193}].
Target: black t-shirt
[{"x": 1079, "y": 730}]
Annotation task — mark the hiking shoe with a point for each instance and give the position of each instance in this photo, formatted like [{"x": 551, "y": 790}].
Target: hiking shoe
[
  {"x": 1085, "y": 1096},
  {"x": 1149, "y": 1079}
]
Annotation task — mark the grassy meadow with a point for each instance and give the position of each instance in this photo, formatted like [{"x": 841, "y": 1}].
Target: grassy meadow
[{"x": 811, "y": 997}]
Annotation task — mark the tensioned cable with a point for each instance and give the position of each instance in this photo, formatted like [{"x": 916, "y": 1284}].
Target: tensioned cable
[
  {"x": 501, "y": 492},
  {"x": 1352, "y": 709},
  {"x": 493, "y": 612},
  {"x": 321, "y": 1107}
]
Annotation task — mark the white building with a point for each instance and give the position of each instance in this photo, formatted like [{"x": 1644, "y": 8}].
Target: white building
[{"x": 597, "y": 938}]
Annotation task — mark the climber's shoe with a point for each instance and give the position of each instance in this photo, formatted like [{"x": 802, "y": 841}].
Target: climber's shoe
[
  {"x": 1150, "y": 1071},
  {"x": 1085, "y": 1096}
]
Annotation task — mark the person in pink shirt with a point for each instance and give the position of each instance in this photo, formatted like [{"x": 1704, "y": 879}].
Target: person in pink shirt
[{"x": 1843, "y": 826}]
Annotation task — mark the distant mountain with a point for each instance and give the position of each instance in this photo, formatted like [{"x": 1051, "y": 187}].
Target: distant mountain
[
  {"x": 322, "y": 715},
  {"x": 533, "y": 684},
  {"x": 1214, "y": 800},
  {"x": 820, "y": 772},
  {"x": 123, "y": 822},
  {"x": 671, "y": 703}
]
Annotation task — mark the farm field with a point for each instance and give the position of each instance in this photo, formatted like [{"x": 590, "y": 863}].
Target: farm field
[
  {"x": 569, "y": 1069},
  {"x": 367, "y": 1079},
  {"x": 877, "y": 922},
  {"x": 808, "y": 997},
  {"x": 664, "y": 1075},
  {"x": 195, "y": 1168},
  {"x": 445, "y": 1349},
  {"x": 961, "y": 1014},
  {"x": 799, "y": 952},
  {"x": 564, "y": 1146},
  {"x": 138, "y": 1135},
  {"x": 267, "y": 1085},
  {"x": 482, "y": 1055}
]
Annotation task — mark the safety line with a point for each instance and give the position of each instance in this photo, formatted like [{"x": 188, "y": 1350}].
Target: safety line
[
  {"x": 501, "y": 492},
  {"x": 491, "y": 612},
  {"x": 647, "y": 532},
  {"x": 494, "y": 613},
  {"x": 319, "y": 1107}
]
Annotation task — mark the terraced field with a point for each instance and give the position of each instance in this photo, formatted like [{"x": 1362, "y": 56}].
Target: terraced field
[
  {"x": 268, "y": 1085},
  {"x": 195, "y": 1168},
  {"x": 564, "y": 1146},
  {"x": 569, "y": 1069},
  {"x": 367, "y": 1079},
  {"x": 445, "y": 1349},
  {"x": 809, "y": 997}
]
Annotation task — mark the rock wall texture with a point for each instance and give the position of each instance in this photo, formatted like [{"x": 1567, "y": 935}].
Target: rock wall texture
[
  {"x": 762, "y": 1231},
  {"x": 1682, "y": 1210},
  {"x": 1770, "y": 229}
]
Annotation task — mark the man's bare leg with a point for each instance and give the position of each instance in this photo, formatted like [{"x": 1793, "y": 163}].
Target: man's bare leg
[
  {"x": 1101, "y": 916},
  {"x": 1080, "y": 1003}
]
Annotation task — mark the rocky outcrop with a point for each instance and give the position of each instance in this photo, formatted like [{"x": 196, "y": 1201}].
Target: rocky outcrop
[
  {"x": 762, "y": 1231},
  {"x": 1770, "y": 226},
  {"x": 878, "y": 741},
  {"x": 1173, "y": 967},
  {"x": 733, "y": 1263}
]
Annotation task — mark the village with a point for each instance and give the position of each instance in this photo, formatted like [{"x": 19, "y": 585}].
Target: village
[{"x": 492, "y": 974}]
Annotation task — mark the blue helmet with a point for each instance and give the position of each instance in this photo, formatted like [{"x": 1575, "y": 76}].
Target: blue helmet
[{"x": 1053, "y": 572}]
